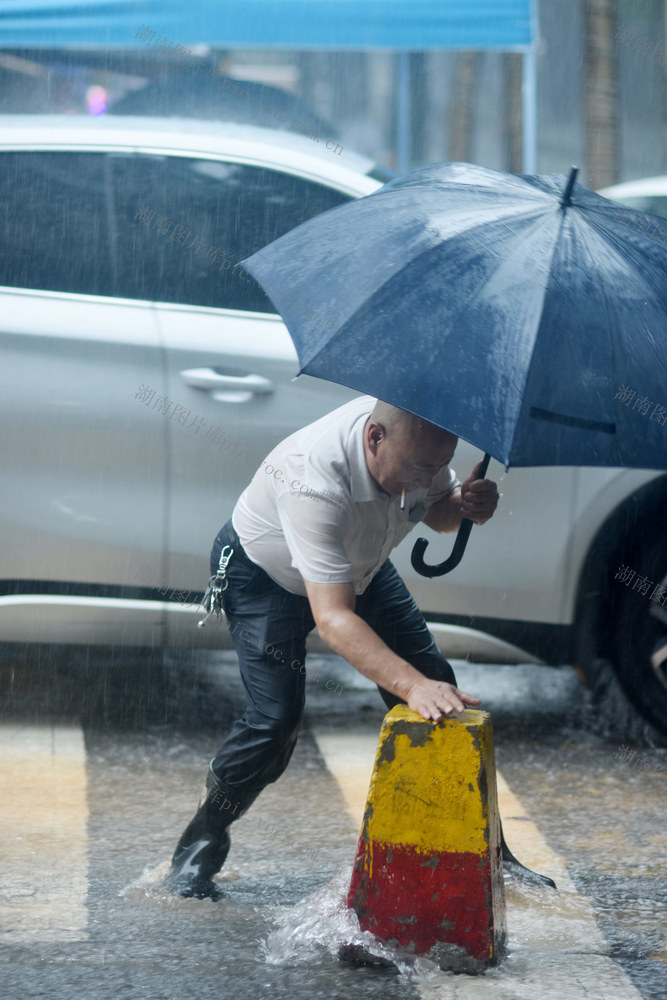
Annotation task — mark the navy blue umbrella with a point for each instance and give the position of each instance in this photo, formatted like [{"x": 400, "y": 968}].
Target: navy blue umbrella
[{"x": 525, "y": 314}]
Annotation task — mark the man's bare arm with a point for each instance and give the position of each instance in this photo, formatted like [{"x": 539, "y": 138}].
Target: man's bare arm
[
  {"x": 475, "y": 499},
  {"x": 445, "y": 515},
  {"x": 348, "y": 635}
]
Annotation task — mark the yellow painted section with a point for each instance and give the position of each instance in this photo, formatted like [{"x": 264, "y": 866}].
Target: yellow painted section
[{"x": 424, "y": 790}]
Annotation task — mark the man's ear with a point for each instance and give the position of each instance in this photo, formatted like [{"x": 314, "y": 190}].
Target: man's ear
[{"x": 376, "y": 433}]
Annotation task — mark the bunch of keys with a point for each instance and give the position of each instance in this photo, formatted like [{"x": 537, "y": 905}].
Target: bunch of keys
[{"x": 212, "y": 599}]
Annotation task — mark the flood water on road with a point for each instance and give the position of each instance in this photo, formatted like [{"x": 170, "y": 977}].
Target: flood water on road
[{"x": 577, "y": 806}]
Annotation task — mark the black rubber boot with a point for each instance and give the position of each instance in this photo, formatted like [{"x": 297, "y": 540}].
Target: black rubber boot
[
  {"x": 511, "y": 864},
  {"x": 203, "y": 846}
]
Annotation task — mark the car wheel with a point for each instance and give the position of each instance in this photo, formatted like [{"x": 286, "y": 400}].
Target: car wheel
[{"x": 640, "y": 631}]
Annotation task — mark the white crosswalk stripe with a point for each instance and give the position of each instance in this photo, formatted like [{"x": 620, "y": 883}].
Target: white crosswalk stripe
[{"x": 43, "y": 836}]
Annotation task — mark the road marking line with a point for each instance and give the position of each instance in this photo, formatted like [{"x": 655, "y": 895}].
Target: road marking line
[
  {"x": 556, "y": 947},
  {"x": 529, "y": 846},
  {"x": 43, "y": 834},
  {"x": 350, "y": 760}
]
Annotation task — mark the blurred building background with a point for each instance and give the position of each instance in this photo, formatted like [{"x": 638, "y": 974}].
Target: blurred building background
[{"x": 601, "y": 91}]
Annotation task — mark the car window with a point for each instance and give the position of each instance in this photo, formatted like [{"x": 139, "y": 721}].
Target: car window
[
  {"x": 163, "y": 228},
  {"x": 182, "y": 225},
  {"x": 54, "y": 211}
]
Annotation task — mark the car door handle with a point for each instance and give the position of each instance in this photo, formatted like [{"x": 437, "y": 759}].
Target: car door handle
[{"x": 219, "y": 381}]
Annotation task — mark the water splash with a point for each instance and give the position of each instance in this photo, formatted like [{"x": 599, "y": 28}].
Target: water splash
[
  {"x": 322, "y": 922},
  {"x": 150, "y": 886}
]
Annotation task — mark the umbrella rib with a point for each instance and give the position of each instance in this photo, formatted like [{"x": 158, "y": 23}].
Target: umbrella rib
[{"x": 548, "y": 274}]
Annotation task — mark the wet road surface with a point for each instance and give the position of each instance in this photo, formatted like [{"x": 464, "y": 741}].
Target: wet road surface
[{"x": 103, "y": 757}]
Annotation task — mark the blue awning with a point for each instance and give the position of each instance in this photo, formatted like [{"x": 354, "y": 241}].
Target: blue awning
[{"x": 399, "y": 25}]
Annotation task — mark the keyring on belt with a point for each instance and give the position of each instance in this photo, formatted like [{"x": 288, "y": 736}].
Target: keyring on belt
[{"x": 217, "y": 584}]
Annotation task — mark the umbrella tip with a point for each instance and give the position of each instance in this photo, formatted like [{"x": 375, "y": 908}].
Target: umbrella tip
[{"x": 567, "y": 193}]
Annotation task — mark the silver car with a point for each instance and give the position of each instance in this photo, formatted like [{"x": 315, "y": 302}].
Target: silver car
[
  {"x": 649, "y": 194},
  {"x": 145, "y": 376}
]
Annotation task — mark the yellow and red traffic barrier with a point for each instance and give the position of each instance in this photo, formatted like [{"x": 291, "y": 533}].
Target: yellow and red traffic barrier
[{"x": 428, "y": 875}]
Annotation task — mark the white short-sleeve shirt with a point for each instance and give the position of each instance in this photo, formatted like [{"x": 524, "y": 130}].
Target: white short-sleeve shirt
[{"x": 313, "y": 511}]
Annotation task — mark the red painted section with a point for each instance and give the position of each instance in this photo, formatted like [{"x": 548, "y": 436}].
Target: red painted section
[{"x": 418, "y": 900}]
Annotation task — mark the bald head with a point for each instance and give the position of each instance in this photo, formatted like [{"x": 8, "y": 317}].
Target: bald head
[
  {"x": 404, "y": 452},
  {"x": 401, "y": 425}
]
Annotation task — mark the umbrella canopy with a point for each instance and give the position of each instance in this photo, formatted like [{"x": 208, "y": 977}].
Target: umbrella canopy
[{"x": 525, "y": 314}]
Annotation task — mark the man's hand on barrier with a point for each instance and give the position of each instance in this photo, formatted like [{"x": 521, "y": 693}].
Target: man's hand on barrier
[
  {"x": 433, "y": 699},
  {"x": 348, "y": 635}
]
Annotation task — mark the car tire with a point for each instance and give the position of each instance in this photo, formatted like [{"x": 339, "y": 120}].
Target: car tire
[{"x": 639, "y": 631}]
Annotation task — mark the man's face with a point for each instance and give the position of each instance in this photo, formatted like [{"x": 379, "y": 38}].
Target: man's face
[{"x": 407, "y": 462}]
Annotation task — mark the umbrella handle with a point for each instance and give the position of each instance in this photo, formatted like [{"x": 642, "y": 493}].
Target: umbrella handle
[{"x": 463, "y": 534}]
